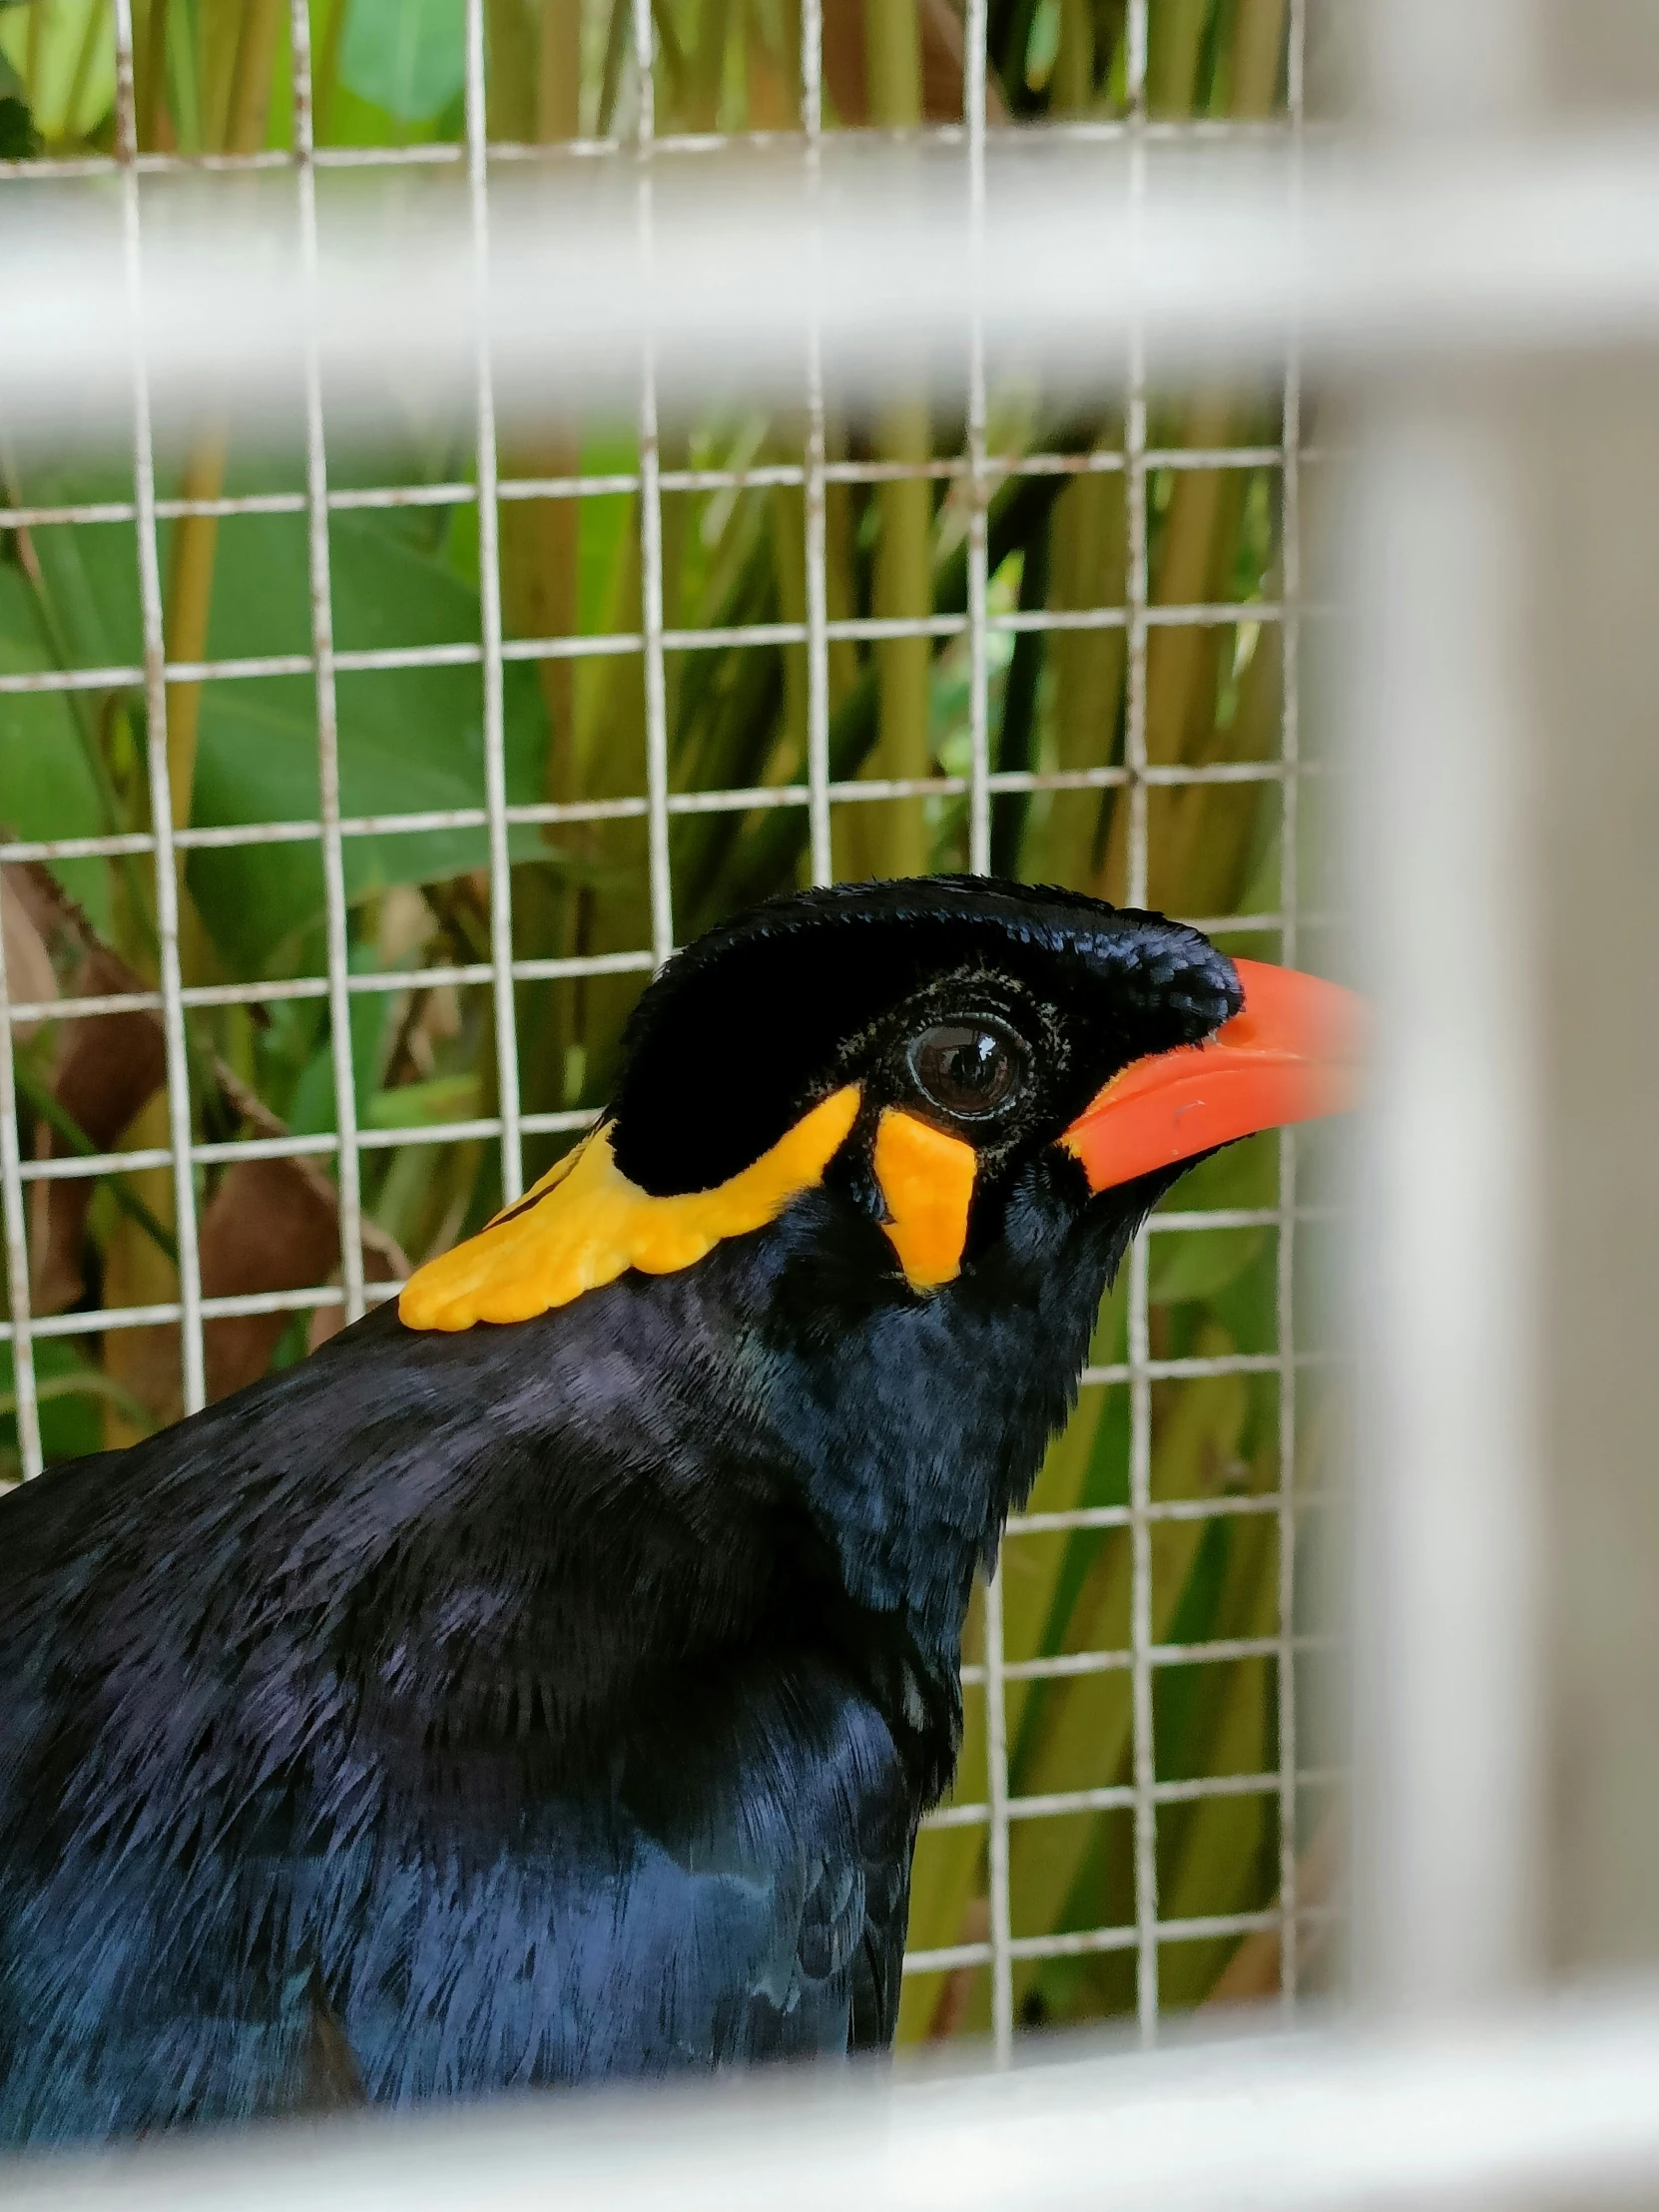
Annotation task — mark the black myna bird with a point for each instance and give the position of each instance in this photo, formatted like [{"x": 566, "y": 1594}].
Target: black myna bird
[{"x": 544, "y": 1682}]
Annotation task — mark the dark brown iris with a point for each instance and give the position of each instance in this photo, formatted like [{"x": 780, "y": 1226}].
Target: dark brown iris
[{"x": 967, "y": 1069}]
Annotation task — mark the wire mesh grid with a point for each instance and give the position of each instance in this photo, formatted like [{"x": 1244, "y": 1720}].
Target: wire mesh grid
[{"x": 991, "y": 1799}]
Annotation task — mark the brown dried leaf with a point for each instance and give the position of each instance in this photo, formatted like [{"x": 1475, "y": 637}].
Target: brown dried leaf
[
  {"x": 272, "y": 1224},
  {"x": 30, "y": 975},
  {"x": 105, "y": 1068}
]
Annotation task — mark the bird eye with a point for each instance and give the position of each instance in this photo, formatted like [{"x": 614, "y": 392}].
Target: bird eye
[{"x": 967, "y": 1069}]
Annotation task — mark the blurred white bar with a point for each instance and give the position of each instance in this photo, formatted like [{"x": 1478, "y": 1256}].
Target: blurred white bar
[
  {"x": 1450, "y": 1647},
  {"x": 1450, "y": 1715},
  {"x": 1553, "y": 2105},
  {"x": 1550, "y": 244}
]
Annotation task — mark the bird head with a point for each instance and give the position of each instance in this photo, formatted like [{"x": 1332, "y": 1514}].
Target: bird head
[{"x": 932, "y": 1057}]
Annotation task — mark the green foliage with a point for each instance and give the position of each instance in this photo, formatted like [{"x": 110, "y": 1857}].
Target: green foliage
[
  {"x": 406, "y": 55},
  {"x": 409, "y": 742}
]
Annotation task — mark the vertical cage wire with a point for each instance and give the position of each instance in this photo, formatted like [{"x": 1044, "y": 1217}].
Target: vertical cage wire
[
  {"x": 814, "y": 488},
  {"x": 490, "y": 607},
  {"x": 17, "y": 1243},
  {"x": 1144, "y": 1762},
  {"x": 319, "y": 569},
  {"x": 155, "y": 700},
  {"x": 1289, "y": 741},
  {"x": 999, "y": 1902},
  {"x": 651, "y": 533}
]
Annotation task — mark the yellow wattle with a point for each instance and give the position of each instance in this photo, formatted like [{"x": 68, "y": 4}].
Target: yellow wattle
[
  {"x": 927, "y": 1179},
  {"x": 585, "y": 1223}
]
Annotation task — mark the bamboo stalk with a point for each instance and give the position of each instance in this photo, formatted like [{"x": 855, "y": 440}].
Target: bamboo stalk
[
  {"x": 615, "y": 52},
  {"x": 841, "y": 597},
  {"x": 1214, "y": 829},
  {"x": 1079, "y": 1735},
  {"x": 706, "y": 69},
  {"x": 1213, "y": 1847},
  {"x": 1011, "y": 812},
  {"x": 787, "y": 519},
  {"x": 1200, "y": 526},
  {"x": 511, "y": 62},
  {"x": 1175, "y": 39},
  {"x": 326, "y": 75},
  {"x": 771, "y": 852},
  {"x": 150, "y": 120},
  {"x": 772, "y": 80},
  {"x": 1071, "y": 85},
  {"x": 194, "y": 538},
  {"x": 540, "y": 556},
  {"x": 92, "y": 38},
  {"x": 894, "y": 840},
  {"x": 1088, "y": 565},
  {"x": 34, "y": 46}
]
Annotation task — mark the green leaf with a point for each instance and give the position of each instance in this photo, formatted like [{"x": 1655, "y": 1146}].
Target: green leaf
[
  {"x": 417, "y": 1105},
  {"x": 1197, "y": 1262},
  {"x": 406, "y": 55},
  {"x": 312, "y": 1107},
  {"x": 46, "y": 787},
  {"x": 410, "y": 741},
  {"x": 71, "y": 1418}
]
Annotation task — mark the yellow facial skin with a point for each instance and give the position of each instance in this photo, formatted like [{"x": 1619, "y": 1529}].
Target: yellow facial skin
[
  {"x": 926, "y": 1180},
  {"x": 585, "y": 1223}
]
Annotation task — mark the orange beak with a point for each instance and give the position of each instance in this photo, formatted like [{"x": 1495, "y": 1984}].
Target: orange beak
[{"x": 1291, "y": 1054}]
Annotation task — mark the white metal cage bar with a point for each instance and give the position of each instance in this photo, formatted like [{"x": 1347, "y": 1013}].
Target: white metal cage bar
[
  {"x": 1554, "y": 2105},
  {"x": 505, "y": 1020},
  {"x": 167, "y": 882},
  {"x": 815, "y": 481},
  {"x": 651, "y": 532},
  {"x": 320, "y": 571},
  {"x": 1142, "y": 1748},
  {"x": 1290, "y": 641}
]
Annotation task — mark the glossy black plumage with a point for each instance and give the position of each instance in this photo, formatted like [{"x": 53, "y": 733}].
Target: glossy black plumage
[{"x": 542, "y": 1703}]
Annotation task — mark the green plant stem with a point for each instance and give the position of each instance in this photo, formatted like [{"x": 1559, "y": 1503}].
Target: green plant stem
[
  {"x": 67, "y": 1127},
  {"x": 87, "y": 53},
  {"x": 1177, "y": 37},
  {"x": 33, "y": 45},
  {"x": 768, "y": 856},
  {"x": 326, "y": 74},
  {"x": 1012, "y": 809},
  {"x": 616, "y": 48},
  {"x": 1071, "y": 88},
  {"x": 88, "y": 1384},
  {"x": 894, "y": 838},
  {"x": 669, "y": 48},
  {"x": 708, "y": 67}
]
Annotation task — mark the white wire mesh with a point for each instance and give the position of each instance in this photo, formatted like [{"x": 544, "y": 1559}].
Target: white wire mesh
[{"x": 977, "y": 473}]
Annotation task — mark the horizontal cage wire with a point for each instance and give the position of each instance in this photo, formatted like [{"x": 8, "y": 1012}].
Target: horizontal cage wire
[{"x": 398, "y": 1012}]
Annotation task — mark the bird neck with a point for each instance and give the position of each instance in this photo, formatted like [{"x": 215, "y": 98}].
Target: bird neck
[{"x": 914, "y": 1423}]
